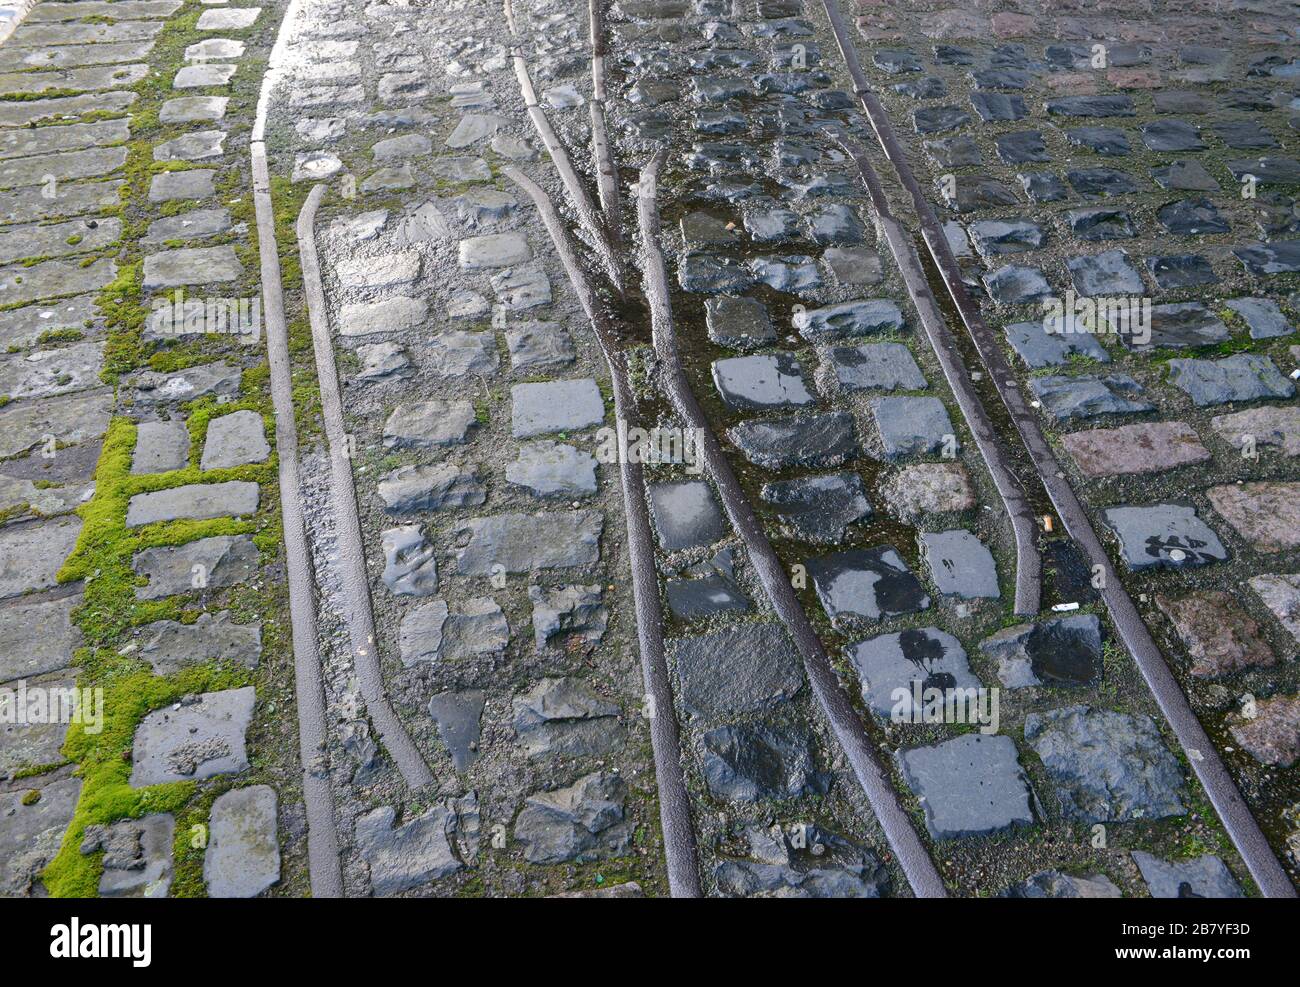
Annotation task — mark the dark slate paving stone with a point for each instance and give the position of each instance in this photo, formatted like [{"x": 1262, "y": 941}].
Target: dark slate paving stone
[
  {"x": 1043, "y": 186},
  {"x": 1240, "y": 377},
  {"x": 954, "y": 152},
  {"x": 1022, "y": 146},
  {"x": 741, "y": 323},
  {"x": 1100, "y": 183},
  {"x": 994, "y": 237},
  {"x": 832, "y": 100},
  {"x": 1278, "y": 257},
  {"x": 1101, "y": 140},
  {"x": 853, "y": 265},
  {"x": 744, "y": 669},
  {"x": 848, "y": 319},
  {"x": 1001, "y": 77},
  {"x": 1262, "y": 316},
  {"x": 1198, "y": 877},
  {"x": 870, "y": 583},
  {"x": 939, "y": 119},
  {"x": 790, "y": 82},
  {"x": 720, "y": 157},
  {"x": 835, "y": 223},
  {"x": 722, "y": 58},
  {"x": 1106, "y": 273},
  {"x": 699, "y": 597},
  {"x": 1185, "y": 175},
  {"x": 1069, "y": 58},
  {"x": 1063, "y": 651},
  {"x": 1115, "y": 105},
  {"x": 1069, "y": 398},
  {"x": 1244, "y": 135},
  {"x": 1181, "y": 325},
  {"x": 719, "y": 122},
  {"x": 1040, "y": 348},
  {"x": 818, "y": 508},
  {"x": 1128, "y": 55},
  {"x": 1268, "y": 170},
  {"x": 1100, "y": 223},
  {"x": 960, "y": 564},
  {"x": 1203, "y": 55},
  {"x": 896, "y": 668},
  {"x": 875, "y": 366},
  {"x": 895, "y": 62},
  {"x": 1248, "y": 100},
  {"x": 971, "y": 785},
  {"x": 1106, "y": 766},
  {"x": 798, "y": 56},
  {"x": 1277, "y": 215},
  {"x": 761, "y": 382},
  {"x": 713, "y": 89},
  {"x": 1054, "y": 884},
  {"x": 1181, "y": 101},
  {"x": 795, "y": 154},
  {"x": 929, "y": 87},
  {"x": 685, "y": 515},
  {"x": 1172, "y": 135},
  {"x": 769, "y": 225},
  {"x": 1164, "y": 535},
  {"x": 757, "y": 761},
  {"x": 712, "y": 275},
  {"x": 702, "y": 232},
  {"x": 1192, "y": 217},
  {"x": 820, "y": 186},
  {"x": 1017, "y": 285},
  {"x": 971, "y": 192},
  {"x": 953, "y": 55},
  {"x": 998, "y": 107},
  {"x": 1181, "y": 271},
  {"x": 458, "y": 715},
  {"x": 790, "y": 273},
  {"x": 913, "y": 426},
  {"x": 813, "y": 441}
]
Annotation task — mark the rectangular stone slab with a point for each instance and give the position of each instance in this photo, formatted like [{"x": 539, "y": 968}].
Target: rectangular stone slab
[
  {"x": 70, "y": 56},
  {"x": 69, "y": 200},
  {"x": 32, "y": 554},
  {"x": 199, "y": 740},
  {"x": 21, "y": 327},
  {"x": 191, "y": 265},
  {"x": 53, "y": 278},
  {"x": 37, "y": 635},
  {"x": 26, "y": 113},
  {"x": 89, "y": 79},
  {"x": 72, "y": 137},
  {"x": 64, "y": 166},
  {"x": 37, "y": 35},
  {"x": 51, "y": 240},
  {"x": 194, "y": 501},
  {"x": 70, "y": 420},
  {"x": 1146, "y": 448}
]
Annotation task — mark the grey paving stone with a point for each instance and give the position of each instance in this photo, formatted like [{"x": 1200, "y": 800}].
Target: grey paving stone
[
  {"x": 410, "y": 568},
  {"x": 1240, "y": 377},
  {"x": 685, "y": 515},
  {"x": 555, "y": 406},
  {"x": 193, "y": 109},
  {"x": 195, "y": 501},
  {"x": 939, "y": 119},
  {"x": 994, "y": 237},
  {"x": 929, "y": 488},
  {"x": 1115, "y": 105},
  {"x": 1172, "y": 135},
  {"x": 1016, "y": 284},
  {"x": 1164, "y": 534},
  {"x": 243, "y": 854},
  {"x": 742, "y": 669},
  {"x": 1101, "y": 183},
  {"x": 521, "y": 288},
  {"x": 875, "y": 366},
  {"x": 1181, "y": 271},
  {"x": 534, "y": 345},
  {"x": 206, "y": 563},
  {"x": 814, "y": 441},
  {"x": 195, "y": 183},
  {"x": 455, "y": 169},
  {"x": 1183, "y": 324},
  {"x": 1054, "y": 884},
  {"x": 895, "y": 670},
  {"x": 215, "y": 50},
  {"x": 1068, "y": 398},
  {"x": 1263, "y": 316},
  {"x": 395, "y": 270},
  {"x": 202, "y": 145},
  {"x": 1062, "y": 651},
  {"x": 960, "y": 564},
  {"x": 562, "y": 612},
  {"x": 706, "y": 589},
  {"x": 750, "y": 762},
  {"x": 970, "y": 192},
  {"x": 45, "y": 373},
  {"x": 37, "y": 636},
  {"x": 1192, "y": 217},
  {"x": 169, "y": 645},
  {"x": 740, "y": 323},
  {"x": 33, "y": 833},
  {"x": 770, "y": 225},
  {"x": 33, "y": 112},
  {"x": 1197, "y": 877},
  {"x": 1262, "y": 259},
  {"x": 202, "y": 738},
  {"x": 398, "y": 313},
  {"x": 191, "y": 266},
  {"x": 59, "y": 239},
  {"x": 438, "y": 486},
  {"x": 20, "y": 285},
  {"x": 1150, "y": 447},
  {"x": 795, "y": 273},
  {"x": 1100, "y": 224},
  {"x": 420, "y": 633},
  {"x": 31, "y": 554},
  {"x": 1020, "y": 147},
  {"x": 1185, "y": 175},
  {"x": 756, "y": 383},
  {"x": 428, "y": 424},
  {"x": 234, "y": 440},
  {"x": 63, "y": 56},
  {"x": 1106, "y": 141},
  {"x": 871, "y": 583},
  {"x": 998, "y": 107},
  {"x": 553, "y": 469},
  {"x": 458, "y": 717},
  {"x": 971, "y": 785},
  {"x": 524, "y": 542},
  {"x": 137, "y": 856},
  {"x": 315, "y": 166},
  {"x": 560, "y": 717},
  {"x": 913, "y": 426},
  {"x": 1106, "y": 766},
  {"x": 191, "y": 225},
  {"x": 494, "y": 250},
  {"x": 405, "y": 856},
  {"x": 209, "y": 379},
  {"x": 1043, "y": 187},
  {"x": 1106, "y": 273},
  {"x": 1265, "y": 514},
  {"x": 228, "y": 18},
  {"x": 853, "y": 265},
  {"x": 712, "y": 275},
  {"x": 818, "y": 508},
  {"x": 857, "y": 318},
  {"x": 35, "y": 743},
  {"x": 204, "y": 76},
  {"x": 584, "y": 822}
]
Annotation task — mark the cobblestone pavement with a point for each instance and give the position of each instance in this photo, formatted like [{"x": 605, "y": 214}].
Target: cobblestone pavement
[{"x": 526, "y": 691}]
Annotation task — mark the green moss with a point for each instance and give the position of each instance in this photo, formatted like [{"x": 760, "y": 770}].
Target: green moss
[
  {"x": 31, "y": 798},
  {"x": 59, "y": 336}
]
